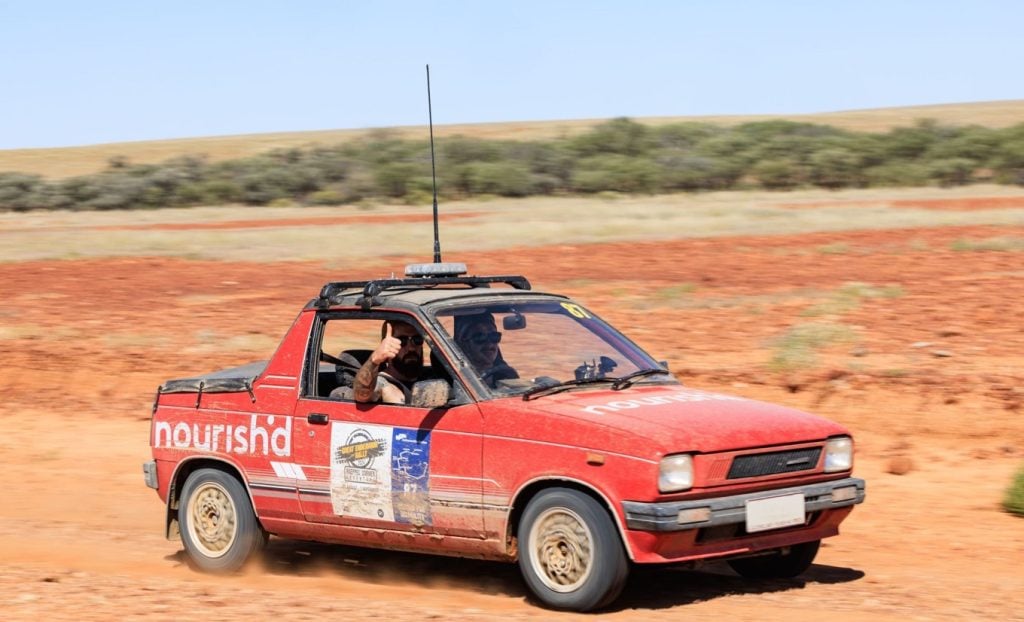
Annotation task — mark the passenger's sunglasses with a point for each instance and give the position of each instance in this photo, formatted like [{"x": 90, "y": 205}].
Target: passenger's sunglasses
[
  {"x": 416, "y": 339},
  {"x": 482, "y": 338}
]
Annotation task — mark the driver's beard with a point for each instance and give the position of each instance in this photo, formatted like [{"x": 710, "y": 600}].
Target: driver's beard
[{"x": 409, "y": 366}]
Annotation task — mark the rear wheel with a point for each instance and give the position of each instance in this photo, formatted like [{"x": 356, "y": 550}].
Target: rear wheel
[
  {"x": 218, "y": 526},
  {"x": 569, "y": 551},
  {"x": 778, "y": 565}
]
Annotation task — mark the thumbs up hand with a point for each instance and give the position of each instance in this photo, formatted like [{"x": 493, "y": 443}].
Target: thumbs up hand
[{"x": 388, "y": 348}]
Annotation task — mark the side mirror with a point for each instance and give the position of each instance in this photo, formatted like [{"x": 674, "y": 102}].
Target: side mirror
[
  {"x": 664, "y": 364},
  {"x": 430, "y": 393}
]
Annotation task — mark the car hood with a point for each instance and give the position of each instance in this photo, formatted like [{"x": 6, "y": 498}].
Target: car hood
[{"x": 672, "y": 418}]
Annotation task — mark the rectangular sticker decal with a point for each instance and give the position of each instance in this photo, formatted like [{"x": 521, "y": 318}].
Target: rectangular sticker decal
[
  {"x": 379, "y": 472},
  {"x": 361, "y": 470},
  {"x": 410, "y": 476}
]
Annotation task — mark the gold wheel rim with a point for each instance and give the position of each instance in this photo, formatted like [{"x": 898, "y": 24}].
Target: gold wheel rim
[
  {"x": 561, "y": 549},
  {"x": 212, "y": 520}
]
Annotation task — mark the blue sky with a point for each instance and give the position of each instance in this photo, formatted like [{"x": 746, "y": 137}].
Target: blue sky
[{"x": 75, "y": 73}]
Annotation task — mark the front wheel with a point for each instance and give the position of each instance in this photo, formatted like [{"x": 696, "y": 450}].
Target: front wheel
[
  {"x": 778, "y": 565},
  {"x": 218, "y": 526},
  {"x": 569, "y": 551}
]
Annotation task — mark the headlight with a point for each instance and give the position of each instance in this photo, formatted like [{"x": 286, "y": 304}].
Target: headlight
[
  {"x": 839, "y": 454},
  {"x": 675, "y": 473}
]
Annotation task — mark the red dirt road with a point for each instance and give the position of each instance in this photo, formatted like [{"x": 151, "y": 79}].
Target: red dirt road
[{"x": 926, "y": 370}]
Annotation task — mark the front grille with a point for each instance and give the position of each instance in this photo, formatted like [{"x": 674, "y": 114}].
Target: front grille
[{"x": 756, "y": 465}]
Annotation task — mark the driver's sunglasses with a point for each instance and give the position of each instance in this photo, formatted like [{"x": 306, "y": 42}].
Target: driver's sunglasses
[
  {"x": 482, "y": 338},
  {"x": 416, "y": 339}
]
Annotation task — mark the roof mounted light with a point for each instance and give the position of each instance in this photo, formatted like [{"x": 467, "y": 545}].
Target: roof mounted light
[{"x": 435, "y": 269}]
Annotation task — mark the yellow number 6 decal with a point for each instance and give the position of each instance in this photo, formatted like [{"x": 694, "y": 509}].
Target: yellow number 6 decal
[{"x": 575, "y": 310}]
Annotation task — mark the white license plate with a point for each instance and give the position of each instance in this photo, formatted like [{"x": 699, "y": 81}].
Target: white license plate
[{"x": 775, "y": 512}]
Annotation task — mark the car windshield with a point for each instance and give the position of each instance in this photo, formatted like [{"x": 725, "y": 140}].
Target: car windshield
[{"x": 523, "y": 348}]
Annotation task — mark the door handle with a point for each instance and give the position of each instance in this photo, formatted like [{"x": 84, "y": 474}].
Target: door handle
[{"x": 317, "y": 418}]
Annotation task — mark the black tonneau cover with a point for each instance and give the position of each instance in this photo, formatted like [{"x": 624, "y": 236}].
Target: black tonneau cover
[{"x": 225, "y": 381}]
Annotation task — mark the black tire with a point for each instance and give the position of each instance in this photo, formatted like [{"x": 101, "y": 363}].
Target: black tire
[
  {"x": 778, "y": 565},
  {"x": 218, "y": 526},
  {"x": 570, "y": 553}
]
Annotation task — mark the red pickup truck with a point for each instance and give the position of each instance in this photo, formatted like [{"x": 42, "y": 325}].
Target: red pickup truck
[{"x": 569, "y": 450}]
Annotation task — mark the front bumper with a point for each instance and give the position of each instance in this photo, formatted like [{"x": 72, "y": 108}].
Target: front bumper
[{"x": 666, "y": 516}]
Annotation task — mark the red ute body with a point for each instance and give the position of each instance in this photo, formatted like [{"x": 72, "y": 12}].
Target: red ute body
[{"x": 489, "y": 455}]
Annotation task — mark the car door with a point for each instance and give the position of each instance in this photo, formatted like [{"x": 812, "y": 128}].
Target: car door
[{"x": 383, "y": 466}]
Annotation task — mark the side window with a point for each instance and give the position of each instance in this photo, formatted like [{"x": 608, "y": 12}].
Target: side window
[
  {"x": 345, "y": 345},
  {"x": 355, "y": 337}
]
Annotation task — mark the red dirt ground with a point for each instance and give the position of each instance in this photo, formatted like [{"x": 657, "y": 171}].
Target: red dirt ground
[{"x": 928, "y": 377}]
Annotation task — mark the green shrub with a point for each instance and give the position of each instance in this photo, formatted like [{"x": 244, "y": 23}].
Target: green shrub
[
  {"x": 684, "y": 136},
  {"x": 463, "y": 150},
  {"x": 327, "y": 196},
  {"x": 551, "y": 165},
  {"x": 781, "y": 174},
  {"x": 619, "y": 156},
  {"x": 848, "y": 297},
  {"x": 1008, "y": 160},
  {"x": 219, "y": 191},
  {"x": 19, "y": 191},
  {"x": 835, "y": 167},
  {"x": 996, "y": 244},
  {"x": 620, "y": 136},
  {"x": 393, "y": 179},
  {"x": 674, "y": 292},
  {"x": 262, "y": 188},
  {"x": 906, "y": 143},
  {"x": 978, "y": 144},
  {"x": 359, "y": 185},
  {"x": 615, "y": 172},
  {"x": 900, "y": 173},
  {"x": 687, "y": 172},
  {"x": 1013, "y": 502},
  {"x": 797, "y": 347},
  {"x": 835, "y": 248},
  {"x": 952, "y": 171},
  {"x": 509, "y": 179}
]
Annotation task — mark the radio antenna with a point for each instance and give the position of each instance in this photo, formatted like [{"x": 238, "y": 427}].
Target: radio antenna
[
  {"x": 433, "y": 173},
  {"x": 436, "y": 269}
]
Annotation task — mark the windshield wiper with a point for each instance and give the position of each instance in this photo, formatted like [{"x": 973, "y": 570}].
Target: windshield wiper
[
  {"x": 617, "y": 383},
  {"x": 627, "y": 381},
  {"x": 548, "y": 389}
]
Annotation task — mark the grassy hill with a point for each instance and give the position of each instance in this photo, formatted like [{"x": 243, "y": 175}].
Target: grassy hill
[{"x": 71, "y": 161}]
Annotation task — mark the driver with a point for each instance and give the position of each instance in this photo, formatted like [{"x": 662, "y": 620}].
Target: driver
[
  {"x": 478, "y": 337},
  {"x": 390, "y": 371}
]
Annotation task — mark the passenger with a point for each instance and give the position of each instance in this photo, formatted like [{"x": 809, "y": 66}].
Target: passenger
[
  {"x": 393, "y": 367},
  {"x": 478, "y": 337}
]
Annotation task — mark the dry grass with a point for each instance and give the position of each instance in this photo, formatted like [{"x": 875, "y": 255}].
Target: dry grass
[
  {"x": 35, "y": 332},
  {"x": 996, "y": 244},
  {"x": 70, "y": 161},
  {"x": 492, "y": 225},
  {"x": 798, "y": 347}
]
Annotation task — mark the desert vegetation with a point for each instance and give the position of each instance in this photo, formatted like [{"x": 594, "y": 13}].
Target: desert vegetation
[
  {"x": 618, "y": 156},
  {"x": 1014, "y": 501}
]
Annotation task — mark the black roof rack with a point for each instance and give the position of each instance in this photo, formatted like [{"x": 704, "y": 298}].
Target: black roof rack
[{"x": 372, "y": 288}]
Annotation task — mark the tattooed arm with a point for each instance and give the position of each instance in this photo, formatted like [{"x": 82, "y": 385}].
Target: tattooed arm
[{"x": 365, "y": 384}]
